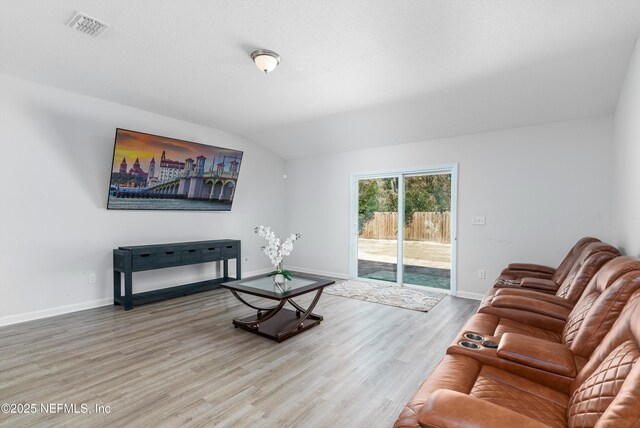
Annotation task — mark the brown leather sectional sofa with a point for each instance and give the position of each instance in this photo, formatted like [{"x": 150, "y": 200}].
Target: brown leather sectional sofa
[{"x": 535, "y": 359}]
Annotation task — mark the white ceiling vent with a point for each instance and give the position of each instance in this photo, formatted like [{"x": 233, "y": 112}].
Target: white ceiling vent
[{"x": 87, "y": 24}]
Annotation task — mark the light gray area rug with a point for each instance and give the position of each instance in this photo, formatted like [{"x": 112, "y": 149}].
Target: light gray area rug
[{"x": 386, "y": 294}]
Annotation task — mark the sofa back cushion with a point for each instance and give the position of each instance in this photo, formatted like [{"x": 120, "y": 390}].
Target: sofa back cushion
[
  {"x": 591, "y": 259},
  {"x": 563, "y": 269},
  {"x": 607, "y": 389},
  {"x": 601, "y": 304}
]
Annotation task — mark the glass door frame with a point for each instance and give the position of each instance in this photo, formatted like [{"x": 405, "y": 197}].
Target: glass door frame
[{"x": 400, "y": 174}]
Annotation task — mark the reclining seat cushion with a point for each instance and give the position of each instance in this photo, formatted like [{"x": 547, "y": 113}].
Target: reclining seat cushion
[
  {"x": 464, "y": 375},
  {"x": 521, "y": 395},
  {"x": 506, "y": 325},
  {"x": 467, "y": 376},
  {"x": 442, "y": 410},
  {"x": 456, "y": 374},
  {"x": 493, "y": 325}
]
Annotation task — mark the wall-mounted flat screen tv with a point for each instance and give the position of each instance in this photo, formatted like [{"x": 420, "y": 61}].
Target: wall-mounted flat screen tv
[{"x": 150, "y": 172}]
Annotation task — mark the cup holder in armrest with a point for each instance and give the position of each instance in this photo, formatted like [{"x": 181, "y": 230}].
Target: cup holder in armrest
[
  {"x": 489, "y": 344},
  {"x": 469, "y": 345},
  {"x": 473, "y": 336}
]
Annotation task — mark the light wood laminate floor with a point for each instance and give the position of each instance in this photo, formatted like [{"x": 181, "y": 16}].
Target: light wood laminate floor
[{"x": 181, "y": 363}]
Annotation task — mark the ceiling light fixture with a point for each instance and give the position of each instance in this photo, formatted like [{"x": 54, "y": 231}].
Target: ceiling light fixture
[{"x": 266, "y": 60}]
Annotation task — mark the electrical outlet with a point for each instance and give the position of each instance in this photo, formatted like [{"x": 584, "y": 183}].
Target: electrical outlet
[
  {"x": 478, "y": 220},
  {"x": 92, "y": 278},
  {"x": 482, "y": 274},
  {"x": 330, "y": 257}
]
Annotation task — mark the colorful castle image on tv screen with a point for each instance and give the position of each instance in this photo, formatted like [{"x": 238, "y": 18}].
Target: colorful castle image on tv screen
[{"x": 150, "y": 172}]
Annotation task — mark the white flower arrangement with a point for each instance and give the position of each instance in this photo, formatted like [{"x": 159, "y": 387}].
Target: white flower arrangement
[{"x": 276, "y": 249}]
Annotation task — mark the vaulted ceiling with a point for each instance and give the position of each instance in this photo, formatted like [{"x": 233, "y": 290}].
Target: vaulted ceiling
[{"x": 355, "y": 73}]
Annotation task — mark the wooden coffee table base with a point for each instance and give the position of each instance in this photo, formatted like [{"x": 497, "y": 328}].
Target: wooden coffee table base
[
  {"x": 281, "y": 326},
  {"x": 276, "y": 322}
]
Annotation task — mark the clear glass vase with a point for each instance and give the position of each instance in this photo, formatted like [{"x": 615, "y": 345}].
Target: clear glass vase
[{"x": 279, "y": 281}]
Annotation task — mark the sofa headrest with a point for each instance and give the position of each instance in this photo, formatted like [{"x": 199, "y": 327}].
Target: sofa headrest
[{"x": 613, "y": 270}]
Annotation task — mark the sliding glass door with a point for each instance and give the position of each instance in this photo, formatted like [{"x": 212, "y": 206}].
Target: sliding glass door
[
  {"x": 378, "y": 228},
  {"x": 403, "y": 227},
  {"x": 426, "y": 255}
]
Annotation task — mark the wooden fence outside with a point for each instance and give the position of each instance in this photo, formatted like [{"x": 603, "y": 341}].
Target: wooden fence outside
[{"x": 424, "y": 226}]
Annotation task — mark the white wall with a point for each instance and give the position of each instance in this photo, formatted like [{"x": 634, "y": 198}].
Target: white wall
[
  {"x": 541, "y": 188},
  {"x": 56, "y": 149},
  {"x": 626, "y": 162}
]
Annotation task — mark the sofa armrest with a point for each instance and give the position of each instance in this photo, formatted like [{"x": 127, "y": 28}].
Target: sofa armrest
[
  {"x": 535, "y": 306},
  {"x": 446, "y": 408},
  {"x": 532, "y": 267},
  {"x": 517, "y": 275},
  {"x": 532, "y": 294},
  {"x": 537, "y": 353},
  {"x": 545, "y": 285}
]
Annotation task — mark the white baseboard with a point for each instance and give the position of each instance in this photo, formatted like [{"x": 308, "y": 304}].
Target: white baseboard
[
  {"x": 257, "y": 272},
  {"x": 467, "y": 295},
  {"x": 319, "y": 272},
  {"x": 51, "y": 312}
]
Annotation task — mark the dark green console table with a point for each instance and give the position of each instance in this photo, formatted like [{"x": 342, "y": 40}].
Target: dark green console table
[{"x": 127, "y": 260}]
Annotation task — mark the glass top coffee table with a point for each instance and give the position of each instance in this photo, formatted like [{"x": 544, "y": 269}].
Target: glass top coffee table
[{"x": 277, "y": 322}]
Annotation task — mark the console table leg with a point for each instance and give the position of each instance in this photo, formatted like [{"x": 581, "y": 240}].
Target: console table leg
[
  {"x": 238, "y": 263},
  {"x": 128, "y": 291},
  {"x": 225, "y": 270},
  {"x": 117, "y": 284}
]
